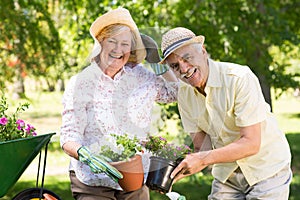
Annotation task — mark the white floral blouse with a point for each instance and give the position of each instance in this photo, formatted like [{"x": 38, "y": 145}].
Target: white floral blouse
[{"x": 94, "y": 105}]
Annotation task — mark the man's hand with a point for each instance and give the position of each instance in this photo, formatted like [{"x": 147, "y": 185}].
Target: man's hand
[
  {"x": 98, "y": 164},
  {"x": 192, "y": 164}
]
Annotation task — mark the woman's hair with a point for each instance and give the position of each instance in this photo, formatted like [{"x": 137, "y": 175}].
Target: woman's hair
[{"x": 115, "y": 29}]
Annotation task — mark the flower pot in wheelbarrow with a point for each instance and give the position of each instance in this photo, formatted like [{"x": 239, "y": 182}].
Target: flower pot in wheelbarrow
[
  {"x": 159, "y": 174},
  {"x": 133, "y": 173},
  {"x": 16, "y": 155}
]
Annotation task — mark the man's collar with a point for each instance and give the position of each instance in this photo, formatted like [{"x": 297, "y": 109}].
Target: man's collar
[{"x": 213, "y": 75}]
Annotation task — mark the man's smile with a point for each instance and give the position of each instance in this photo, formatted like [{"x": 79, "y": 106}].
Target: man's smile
[{"x": 190, "y": 73}]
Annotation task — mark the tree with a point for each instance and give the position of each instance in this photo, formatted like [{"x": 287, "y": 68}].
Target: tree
[
  {"x": 50, "y": 39},
  {"x": 29, "y": 41},
  {"x": 243, "y": 31}
]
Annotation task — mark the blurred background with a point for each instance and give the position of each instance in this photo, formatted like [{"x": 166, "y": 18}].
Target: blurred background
[{"x": 44, "y": 42}]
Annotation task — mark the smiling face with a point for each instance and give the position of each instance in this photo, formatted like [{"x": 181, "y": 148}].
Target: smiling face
[
  {"x": 116, "y": 47},
  {"x": 190, "y": 64}
]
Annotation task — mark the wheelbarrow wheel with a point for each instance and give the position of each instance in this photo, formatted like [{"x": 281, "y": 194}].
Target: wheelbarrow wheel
[{"x": 34, "y": 194}]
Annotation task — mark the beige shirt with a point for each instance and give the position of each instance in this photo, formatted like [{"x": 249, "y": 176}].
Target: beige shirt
[{"x": 234, "y": 99}]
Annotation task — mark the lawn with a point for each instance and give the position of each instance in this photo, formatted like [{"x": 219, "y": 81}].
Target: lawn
[{"x": 44, "y": 113}]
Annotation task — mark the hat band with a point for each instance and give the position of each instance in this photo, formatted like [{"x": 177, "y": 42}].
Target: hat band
[{"x": 173, "y": 46}]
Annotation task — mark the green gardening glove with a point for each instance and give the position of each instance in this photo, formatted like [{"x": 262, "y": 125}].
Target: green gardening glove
[
  {"x": 98, "y": 164},
  {"x": 175, "y": 196},
  {"x": 159, "y": 69},
  {"x": 152, "y": 56}
]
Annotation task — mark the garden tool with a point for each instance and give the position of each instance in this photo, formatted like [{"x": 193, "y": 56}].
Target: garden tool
[{"x": 98, "y": 164}]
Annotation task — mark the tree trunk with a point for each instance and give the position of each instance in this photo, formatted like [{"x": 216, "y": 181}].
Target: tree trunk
[
  {"x": 266, "y": 89},
  {"x": 19, "y": 88},
  {"x": 61, "y": 85},
  {"x": 50, "y": 85}
]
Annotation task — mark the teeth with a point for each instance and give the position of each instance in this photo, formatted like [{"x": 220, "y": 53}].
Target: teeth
[
  {"x": 115, "y": 56},
  {"x": 190, "y": 73}
]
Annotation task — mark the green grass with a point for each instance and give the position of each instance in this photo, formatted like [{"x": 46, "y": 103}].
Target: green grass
[
  {"x": 44, "y": 113},
  {"x": 287, "y": 112}
]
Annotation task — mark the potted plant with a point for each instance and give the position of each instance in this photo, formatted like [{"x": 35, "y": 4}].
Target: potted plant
[
  {"x": 124, "y": 153},
  {"x": 166, "y": 156}
]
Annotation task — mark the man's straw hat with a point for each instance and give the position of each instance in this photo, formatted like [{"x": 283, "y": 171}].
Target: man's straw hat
[
  {"x": 118, "y": 16},
  {"x": 176, "y": 38}
]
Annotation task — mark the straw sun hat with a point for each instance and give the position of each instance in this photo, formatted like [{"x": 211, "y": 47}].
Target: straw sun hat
[
  {"x": 176, "y": 38},
  {"x": 117, "y": 16}
]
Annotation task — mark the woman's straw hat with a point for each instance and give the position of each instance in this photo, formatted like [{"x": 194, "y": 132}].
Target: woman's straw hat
[
  {"x": 176, "y": 38},
  {"x": 118, "y": 16}
]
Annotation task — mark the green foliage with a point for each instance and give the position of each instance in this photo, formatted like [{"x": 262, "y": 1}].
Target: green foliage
[
  {"x": 10, "y": 126},
  {"x": 294, "y": 139},
  {"x": 242, "y": 31},
  {"x": 161, "y": 148},
  {"x": 50, "y": 41},
  {"x": 29, "y": 39},
  {"x": 56, "y": 184},
  {"x": 286, "y": 60},
  {"x": 120, "y": 147}
]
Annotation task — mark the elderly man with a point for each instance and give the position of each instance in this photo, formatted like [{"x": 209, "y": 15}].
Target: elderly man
[{"x": 224, "y": 102}]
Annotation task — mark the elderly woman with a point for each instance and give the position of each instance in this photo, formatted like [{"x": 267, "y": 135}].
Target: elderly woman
[{"x": 114, "y": 94}]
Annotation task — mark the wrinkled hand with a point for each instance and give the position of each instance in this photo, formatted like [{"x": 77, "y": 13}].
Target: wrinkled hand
[
  {"x": 152, "y": 56},
  {"x": 192, "y": 164},
  {"x": 98, "y": 164}
]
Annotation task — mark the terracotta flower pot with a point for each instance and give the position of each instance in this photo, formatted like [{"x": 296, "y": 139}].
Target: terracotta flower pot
[
  {"x": 133, "y": 173},
  {"x": 159, "y": 174}
]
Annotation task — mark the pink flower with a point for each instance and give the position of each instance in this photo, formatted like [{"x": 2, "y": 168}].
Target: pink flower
[
  {"x": 12, "y": 127},
  {"x": 20, "y": 123},
  {"x": 162, "y": 139},
  {"x": 3, "y": 120},
  {"x": 29, "y": 129}
]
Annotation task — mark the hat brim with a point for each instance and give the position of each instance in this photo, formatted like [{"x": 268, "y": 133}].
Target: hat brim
[
  {"x": 119, "y": 16},
  {"x": 198, "y": 39}
]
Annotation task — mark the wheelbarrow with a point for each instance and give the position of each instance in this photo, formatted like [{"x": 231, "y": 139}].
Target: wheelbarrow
[{"x": 16, "y": 155}]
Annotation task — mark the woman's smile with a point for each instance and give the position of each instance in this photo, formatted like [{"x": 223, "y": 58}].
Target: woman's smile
[{"x": 116, "y": 55}]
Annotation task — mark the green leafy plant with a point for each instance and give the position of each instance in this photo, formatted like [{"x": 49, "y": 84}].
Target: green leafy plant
[
  {"x": 11, "y": 127},
  {"x": 160, "y": 147},
  {"x": 120, "y": 147}
]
